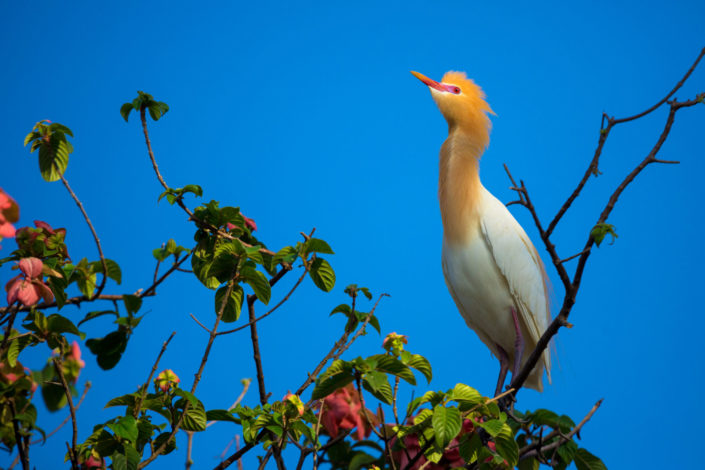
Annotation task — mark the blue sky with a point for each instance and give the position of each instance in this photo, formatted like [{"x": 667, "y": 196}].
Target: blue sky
[{"x": 306, "y": 116}]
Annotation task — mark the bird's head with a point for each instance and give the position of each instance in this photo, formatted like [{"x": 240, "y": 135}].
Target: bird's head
[{"x": 460, "y": 100}]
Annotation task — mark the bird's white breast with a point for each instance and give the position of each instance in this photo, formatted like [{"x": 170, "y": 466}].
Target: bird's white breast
[{"x": 494, "y": 271}]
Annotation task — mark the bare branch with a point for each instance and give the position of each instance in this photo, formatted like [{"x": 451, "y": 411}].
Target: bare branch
[
  {"x": 572, "y": 289},
  {"x": 95, "y": 234},
  {"x": 604, "y": 133}
]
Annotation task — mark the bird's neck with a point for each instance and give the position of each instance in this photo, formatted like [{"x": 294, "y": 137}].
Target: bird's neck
[{"x": 459, "y": 187}]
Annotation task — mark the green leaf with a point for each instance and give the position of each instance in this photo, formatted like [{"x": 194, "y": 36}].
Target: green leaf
[
  {"x": 492, "y": 426},
  {"x": 124, "y": 400},
  {"x": 528, "y": 464},
  {"x": 337, "y": 367},
  {"x": 108, "y": 350},
  {"x": 601, "y": 230},
  {"x": 53, "y": 158},
  {"x": 331, "y": 384},
  {"x": 469, "y": 446},
  {"x": 125, "y": 110},
  {"x": 54, "y": 396},
  {"x": 316, "y": 245},
  {"x": 322, "y": 274},
  {"x": 132, "y": 303},
  {"x": 361, "y": 460},
  {"x": 233, "y": 306},
  {"x": 392, "y": 365},
  {"x": 114, "y": 271},
  {"x": 378, "y": 385},
  {"x": 584, "y": 460},
  {"x": 342, "y": 308},
  {"x": 58, "y": 324},
  {"x": 160, "y": 439},
  {"x": 58, "y": 286},
  {"x": 286, "y": 255},
  {"x": 187, "y": 395},
  {"x": 192, "y": 188},
  {"x": 446, "y": 424},
  {"x": 96, "y": 314},
  {"x": 126, "y": 428},
  {"x": 566, "y": 451},
  {"x": 221, "y": 415},
  {"x": 507, "y": 446},
  {"x": 421, "y": 364},
  {"x": 195, "y": 418},
  {"x": 465, "y": 394},
  {"x": 86, "y": 284},
  {"x": 259, "y": 284}
]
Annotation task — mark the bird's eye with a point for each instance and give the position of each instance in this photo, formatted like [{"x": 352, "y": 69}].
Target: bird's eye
[{"x": 456, "y": 90}]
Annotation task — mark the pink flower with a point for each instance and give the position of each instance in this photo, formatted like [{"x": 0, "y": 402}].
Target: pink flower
[
  {"x": 166, "y": 379},
  {"x": 73, "y": 362},
  {"x": 9, "y": 213},
  {"x": 250, "y": 223},
  {"x": 342, "y": 409},
  {"x": 28, "y": 287},
  {"x": 92, "y": 462}
]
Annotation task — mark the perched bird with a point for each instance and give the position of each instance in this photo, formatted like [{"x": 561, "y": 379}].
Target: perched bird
[{"x": 492, "y": 270}]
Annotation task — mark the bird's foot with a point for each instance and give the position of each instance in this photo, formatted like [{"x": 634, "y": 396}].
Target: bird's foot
[{"x": 503, "y": 369}]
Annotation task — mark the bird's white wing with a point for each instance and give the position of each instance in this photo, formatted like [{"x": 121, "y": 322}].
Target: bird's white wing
[{"x": 520, "y": 264}]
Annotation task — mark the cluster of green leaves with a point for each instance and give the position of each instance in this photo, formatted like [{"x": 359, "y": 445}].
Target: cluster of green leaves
[
  {"x": 54, "y": 148},
  {"x": 600, "y": 231},
  {"x": 544, "y": 427},
  {"x": 125, "y": 438},
  {"x": 227, "y": 252},
  {"x": 156, "y": 109}
]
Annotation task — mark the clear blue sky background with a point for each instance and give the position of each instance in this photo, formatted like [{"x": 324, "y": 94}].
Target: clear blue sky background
[{"x": 306, "y": 116}]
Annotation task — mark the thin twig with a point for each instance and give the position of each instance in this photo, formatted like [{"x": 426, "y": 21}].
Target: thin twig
[
  {"x": 571, "y": 290},
  {"x": 339, "y": 347},
  {"x": 72, "y": 409},
  {"x": 179, "y": 201},
  {"x": 199, "y": 323},
  {"x": 273, "y": 309},
  {"x": 90, "y": 225},
  {"x": 604, "y": 133},
  {"x": 66, "y": 420},
  {"x": 145, "y": 387}
]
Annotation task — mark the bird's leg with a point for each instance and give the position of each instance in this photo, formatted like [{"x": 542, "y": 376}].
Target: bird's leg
[
  {"x": 518, "y": 344},
  {"x": 503, "y": 369}
]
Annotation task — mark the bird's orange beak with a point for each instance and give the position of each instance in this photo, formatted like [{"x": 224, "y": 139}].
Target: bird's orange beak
[{"x": 427, "y": 81}]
